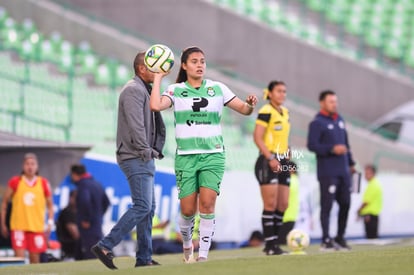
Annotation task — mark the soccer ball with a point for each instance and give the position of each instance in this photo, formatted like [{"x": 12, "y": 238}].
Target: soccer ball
[
  {"x": 159, "y": 58},
  {"x": 297, "y": 240}
]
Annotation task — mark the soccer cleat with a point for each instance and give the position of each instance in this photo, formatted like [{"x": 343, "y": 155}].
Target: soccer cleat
[
  {"x": 201, "y": 259},
  {"x": 341, "y": 244},
  {"x": 275, "y": 250},
  {"x": 189, "y": 255},
  {"x": 328, "y": 245}
]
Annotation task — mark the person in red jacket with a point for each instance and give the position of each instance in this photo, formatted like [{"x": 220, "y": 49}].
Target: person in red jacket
[{"x": 30, "y": 195}]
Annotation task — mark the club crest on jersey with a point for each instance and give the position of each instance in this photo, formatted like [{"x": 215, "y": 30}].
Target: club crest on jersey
[{"x": 210, "y": 91}]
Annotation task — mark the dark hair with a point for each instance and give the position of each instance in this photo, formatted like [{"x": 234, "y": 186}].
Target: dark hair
[
  {"x": 139, "y": 60},
  {"x": 78, "y": 169},
  {"x": 256, "y": 235},
  {"x": 73, "y": 193},
  {"x": 371, "y": 167},
  {"x": 273, "y": 84},
  {"x": 182, "y": 74},
  {"x": 324, "y": 94}
]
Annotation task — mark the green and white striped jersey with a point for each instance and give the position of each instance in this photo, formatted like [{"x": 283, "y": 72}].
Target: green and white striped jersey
[{"x": 197, "y": 115}]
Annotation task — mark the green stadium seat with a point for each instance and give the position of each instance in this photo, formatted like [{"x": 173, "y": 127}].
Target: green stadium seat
[
  {"x": 3, "y": 16},
  {"x": 409, "y": 57},
  {"x": 375, "y": 38},
  {"x": 6, "y": 122},
  {"x": 10, "y": 96},
  {"x": 122, "y": 75},
  {"x": 316, "y": 5},
  {"x": 271, "y": 14},
  {"x": 27, "y": 28},
  {"x": 393, "y": 48},
  {"x": 48, "y": 52},
  {"x": 44, "y": 105}
]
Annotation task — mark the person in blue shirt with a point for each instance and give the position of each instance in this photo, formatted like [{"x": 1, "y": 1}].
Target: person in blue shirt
[
  {"x": 92, "y": 203},
  {"x": 328, "y": 139}
]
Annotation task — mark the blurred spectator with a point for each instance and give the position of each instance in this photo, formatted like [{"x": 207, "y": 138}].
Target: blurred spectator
[
  {"x": 174, "y": 241},
  {"x": 292, "y": 212},
  {"x": 92, "y": 202},
  {"x": 158, "y": 232},
  {"x": 5, "y": 242},
  {"x": 371, "y": 203},
  {"x": 30, "y": 195},
  {"x": 67, "y": 230},
  {"x": 256, "y": 239}
]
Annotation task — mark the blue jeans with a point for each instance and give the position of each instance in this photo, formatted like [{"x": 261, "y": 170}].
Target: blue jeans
[{"x": 140, "y": 175}]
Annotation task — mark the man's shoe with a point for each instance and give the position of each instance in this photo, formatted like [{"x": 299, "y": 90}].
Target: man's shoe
[
  {"x": 341, "y": 243},
  {"x": 328, "y": 245},
  {"x": 106, "y": 259},
  {"x": 275, "y": 250},
  {"x": 138, "y": 264}
]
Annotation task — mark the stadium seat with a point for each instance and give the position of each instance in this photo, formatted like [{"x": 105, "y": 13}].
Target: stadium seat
[{"x": 10, "y": 96}]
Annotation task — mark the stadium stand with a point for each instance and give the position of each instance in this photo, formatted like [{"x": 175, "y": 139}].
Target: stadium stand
[
  {"x": 55, "y": 90},
  {"x": 88, "y": 101},
  {"x": 386, "y": 25}
]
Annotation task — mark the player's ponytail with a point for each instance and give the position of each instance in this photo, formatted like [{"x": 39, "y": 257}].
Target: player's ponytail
[{"x": 182, "y": 74}]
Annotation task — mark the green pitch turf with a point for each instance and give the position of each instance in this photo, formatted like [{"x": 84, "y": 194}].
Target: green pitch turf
[{"x": 363, "y": 259}]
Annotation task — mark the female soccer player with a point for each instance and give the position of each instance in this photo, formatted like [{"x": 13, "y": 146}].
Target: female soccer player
[
  {"x": 271, "y": 136},
  {"x": 199, "y": 162}
]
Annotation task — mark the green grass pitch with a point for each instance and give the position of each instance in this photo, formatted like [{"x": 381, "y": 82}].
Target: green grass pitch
[{"x": 362, "y": 259}]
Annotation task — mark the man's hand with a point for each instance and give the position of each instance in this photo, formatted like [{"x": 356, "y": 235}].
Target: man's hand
[
  {"x": 339, "y": 149},
  {"x": 85, "y": 224}
]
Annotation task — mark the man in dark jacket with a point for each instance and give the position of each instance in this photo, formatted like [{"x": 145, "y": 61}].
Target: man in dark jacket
[
  {"x": 92, "y": 203},
  {"x": 327, "y": 138},
  {"x": 140, "y": 139}
]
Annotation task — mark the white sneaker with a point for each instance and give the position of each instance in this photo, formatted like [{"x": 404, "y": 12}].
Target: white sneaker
[{"x": 189, "y": 255}]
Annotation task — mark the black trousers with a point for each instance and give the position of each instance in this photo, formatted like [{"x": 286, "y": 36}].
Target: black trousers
[
  {"x": 371, "y": 226},
  {"x": 334, "y": 189}
]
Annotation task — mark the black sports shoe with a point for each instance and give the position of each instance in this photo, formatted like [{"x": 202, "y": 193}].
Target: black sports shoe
[
  {"x": 341, "y": 243},
  {"x": 275, "y": 250},
  {"x": 138, "y": 264},
  {"x": 106, "y": 259},
  {"x": 328, "y": 245}
]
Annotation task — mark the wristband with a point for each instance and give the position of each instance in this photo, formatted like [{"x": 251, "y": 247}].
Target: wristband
[
  {"x": 248, "y": 105},
  {"x": 272, "y": 157}
]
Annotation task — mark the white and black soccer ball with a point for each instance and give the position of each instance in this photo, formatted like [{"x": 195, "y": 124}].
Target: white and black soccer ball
[
  {"x": 159, "y": 58},
  {"x": 297, "y": 240}
]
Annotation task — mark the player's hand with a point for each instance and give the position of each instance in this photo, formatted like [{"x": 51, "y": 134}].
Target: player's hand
[
  {"x": 160, "y": 75},
  {"x": 251, "y": 100},
  {"x": 339, "y": 149}
]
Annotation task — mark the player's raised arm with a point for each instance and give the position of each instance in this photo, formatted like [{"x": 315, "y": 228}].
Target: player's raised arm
[{"x": 157, "y": 102}]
